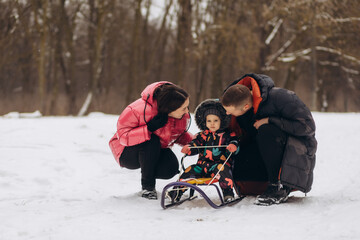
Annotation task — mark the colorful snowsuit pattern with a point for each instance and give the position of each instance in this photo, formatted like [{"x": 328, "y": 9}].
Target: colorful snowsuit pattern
[{"x": 211, "y": 159}]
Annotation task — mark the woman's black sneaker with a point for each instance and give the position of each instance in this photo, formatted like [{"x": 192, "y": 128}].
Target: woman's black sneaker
[{"x": 149, "y": 194}]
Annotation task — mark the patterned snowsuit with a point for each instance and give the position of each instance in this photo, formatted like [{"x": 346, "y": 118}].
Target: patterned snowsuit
[{"x": 211, "y": 159}]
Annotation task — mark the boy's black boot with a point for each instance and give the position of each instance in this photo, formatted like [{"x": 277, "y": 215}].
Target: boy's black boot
[
  {"x": 175, "y": 194},
  {"x": 275, "y": 193},
  {"x": 228, "y": 194}
]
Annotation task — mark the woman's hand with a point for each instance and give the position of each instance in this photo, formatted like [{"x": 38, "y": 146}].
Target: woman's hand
[{"x": 157, "y": 122}]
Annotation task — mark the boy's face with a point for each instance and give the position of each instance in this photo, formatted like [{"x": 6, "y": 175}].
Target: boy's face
[
  {"x": 213, "y": 122},
  {"x": 237, "y": 110}
]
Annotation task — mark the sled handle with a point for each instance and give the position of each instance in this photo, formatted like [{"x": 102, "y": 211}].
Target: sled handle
[{"x": 209, "y": 146}]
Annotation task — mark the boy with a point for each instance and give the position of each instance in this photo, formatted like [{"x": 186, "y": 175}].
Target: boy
[
  {"x": 211, "y": 118},
  {"x": 279, "y": 133}
]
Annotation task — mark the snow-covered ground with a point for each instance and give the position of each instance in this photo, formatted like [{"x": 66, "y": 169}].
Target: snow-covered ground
[{"x": 58, "y": 180}]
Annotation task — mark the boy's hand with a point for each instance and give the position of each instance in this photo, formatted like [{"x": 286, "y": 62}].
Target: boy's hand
[
  {"x": 260, "y": 122},
  {"x": 231, "y": 148},
  {"x": 186, "y": 149}
]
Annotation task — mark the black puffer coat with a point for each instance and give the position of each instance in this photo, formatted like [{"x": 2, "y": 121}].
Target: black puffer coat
[{"x": 290, "y": 114}]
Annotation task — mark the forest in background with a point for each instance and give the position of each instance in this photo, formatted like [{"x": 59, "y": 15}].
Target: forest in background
[{"x": 72, "y": 57}]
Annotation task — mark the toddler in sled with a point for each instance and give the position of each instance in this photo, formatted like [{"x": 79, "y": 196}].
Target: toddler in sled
[{"x": 217, "y": 143}]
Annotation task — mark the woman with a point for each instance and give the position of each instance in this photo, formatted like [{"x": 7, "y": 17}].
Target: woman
[{"x": 146, "y": 130}]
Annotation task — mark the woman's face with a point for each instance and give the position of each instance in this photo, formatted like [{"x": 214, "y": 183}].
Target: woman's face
[{"x": 179, "y": 113}]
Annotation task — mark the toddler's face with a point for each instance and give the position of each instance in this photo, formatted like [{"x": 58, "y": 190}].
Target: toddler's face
[{"x": 213, "y": 122}]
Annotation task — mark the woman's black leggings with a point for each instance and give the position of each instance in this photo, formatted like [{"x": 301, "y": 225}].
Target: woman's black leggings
[{"x": 154, "y": 161}]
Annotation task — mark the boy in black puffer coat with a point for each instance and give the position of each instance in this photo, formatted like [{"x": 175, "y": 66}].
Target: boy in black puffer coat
[
  {"x": 277, "y": 137},
  {"x": 211, "y": 118}
]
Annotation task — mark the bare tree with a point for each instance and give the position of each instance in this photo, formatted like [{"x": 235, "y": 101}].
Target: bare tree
[
  {"x": 97, "y": 31},
  {"x": 65, "y": 52},
  {"x": 312, "y": 38},
  {"x": 183, "y": 40},
  {"x": 40, "y": 10},
  {"x": 133, "y": 76},
  {"x": 160, "y": 44},
  {"x": 100, "y": 54}
]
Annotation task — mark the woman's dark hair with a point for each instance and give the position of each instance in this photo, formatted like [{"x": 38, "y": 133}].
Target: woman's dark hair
[{"x": 169, "y": 97}]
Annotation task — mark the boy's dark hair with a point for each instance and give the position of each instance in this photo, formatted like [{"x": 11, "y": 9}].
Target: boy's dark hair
[
  {"x": 169, "y": 97},
  {"x": 236, "y": 95}
]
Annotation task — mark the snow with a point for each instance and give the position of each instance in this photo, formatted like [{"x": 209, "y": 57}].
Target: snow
[
  {"x": 58, "y": 180},
  {"x": 274, "y": 31},
  {"x": 334, "y": 51}
]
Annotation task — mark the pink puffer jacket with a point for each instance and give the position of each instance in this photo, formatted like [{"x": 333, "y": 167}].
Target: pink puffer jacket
[{"x": 132, "y": 128}]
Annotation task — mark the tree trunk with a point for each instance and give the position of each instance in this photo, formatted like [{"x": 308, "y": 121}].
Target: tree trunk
[
  {"x": 157, "y": 54},
  {"x": 290, "y": 79},
  {"x": 314, "y": 93},
  {"x": 134, "y": 51},
  {"x": 183, "y": 40},
  {"x": 41, "y": 26}
]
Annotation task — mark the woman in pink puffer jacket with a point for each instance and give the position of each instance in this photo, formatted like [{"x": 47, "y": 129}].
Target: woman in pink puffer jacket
[{"x": 146, "y": 130}]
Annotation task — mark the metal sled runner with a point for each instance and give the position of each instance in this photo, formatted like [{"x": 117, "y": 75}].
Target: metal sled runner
[{"x": 194, "y": 187}]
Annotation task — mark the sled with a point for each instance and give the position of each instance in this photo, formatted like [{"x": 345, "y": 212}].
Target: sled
[{"x": 195, "y": 186}]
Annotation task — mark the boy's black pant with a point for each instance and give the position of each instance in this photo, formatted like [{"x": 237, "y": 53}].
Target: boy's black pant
[
  {"x": 154, "y": 161},
  {"x": 261, "y": 158}
]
